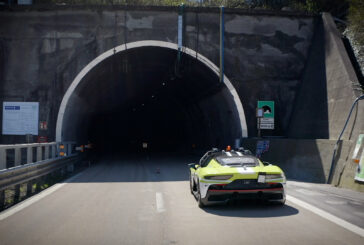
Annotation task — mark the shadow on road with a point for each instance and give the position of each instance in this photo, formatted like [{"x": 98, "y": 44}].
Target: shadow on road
[{"x": 252, "y": 210}]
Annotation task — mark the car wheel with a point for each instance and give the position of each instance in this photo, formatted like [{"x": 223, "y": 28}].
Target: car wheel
[
  {"x": 191, "y": 184},
  {"x": 279, "y": 203},
  {"x": 282, "y": 202},
  {"x": 199, "y": 198}
]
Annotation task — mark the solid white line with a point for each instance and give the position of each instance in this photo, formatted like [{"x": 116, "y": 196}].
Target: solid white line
[
  {"x": 26, "y": 203},
  {"x": 353, "y": 228},
  {"x": 159, "y": 202}
]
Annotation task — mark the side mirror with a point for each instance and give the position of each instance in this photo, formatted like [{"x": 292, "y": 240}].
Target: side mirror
[
  {"x": 267, "y": 163},
  {"x": 193, "y": 165}
]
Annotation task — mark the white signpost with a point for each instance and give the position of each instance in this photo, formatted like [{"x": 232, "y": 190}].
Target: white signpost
[{"x": 20, "y": 118}]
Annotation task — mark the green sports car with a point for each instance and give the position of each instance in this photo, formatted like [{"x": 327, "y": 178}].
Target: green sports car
[{"x": 222, "y": 175}]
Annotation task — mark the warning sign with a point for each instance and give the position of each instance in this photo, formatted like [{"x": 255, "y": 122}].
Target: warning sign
[{"x": 20, "y": 118}]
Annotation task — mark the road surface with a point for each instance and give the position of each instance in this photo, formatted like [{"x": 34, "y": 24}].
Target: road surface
[{"x": 126, "y": 201}]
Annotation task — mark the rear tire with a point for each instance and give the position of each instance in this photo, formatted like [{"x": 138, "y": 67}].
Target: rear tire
[
  {"x": 281, "y": 203},
  {"x": 191, "y": 184},
  {"x": 199, "y": 198},
  {"x": 278, "y": 203}
]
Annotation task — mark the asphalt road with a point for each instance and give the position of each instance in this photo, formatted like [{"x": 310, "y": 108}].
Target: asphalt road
[{"x": 128, "y": 202}]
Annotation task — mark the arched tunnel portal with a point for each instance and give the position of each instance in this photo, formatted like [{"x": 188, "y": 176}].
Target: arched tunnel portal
[{"x": 142, "y": 92}]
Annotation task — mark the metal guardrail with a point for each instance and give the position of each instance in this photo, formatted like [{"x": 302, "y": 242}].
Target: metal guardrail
[
  {"x": 21, "y": 174},
  {"x": 16, "y": 155},
  {"x": 31, "y": 164}
]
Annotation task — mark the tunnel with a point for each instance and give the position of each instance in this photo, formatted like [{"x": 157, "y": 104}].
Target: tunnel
[{"x": 158, "y": 96}]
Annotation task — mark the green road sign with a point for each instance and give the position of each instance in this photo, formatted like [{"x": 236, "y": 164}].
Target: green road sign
[{"x": 268, "y": 108}]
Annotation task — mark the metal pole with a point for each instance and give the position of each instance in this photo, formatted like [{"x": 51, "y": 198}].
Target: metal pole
[
  {"x": 338, "y": 140},
  {"x": 222, "y": 30},
  {"x": 39, "y": 154},
  {"x": 180, "y": 31},
  {"x": 2, "y": 158},
  {"x": 29, "y": 154},
  {"x": 17, "y": 157}
]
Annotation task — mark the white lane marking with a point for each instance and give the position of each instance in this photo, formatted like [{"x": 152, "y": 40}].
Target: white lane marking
[
  {"x": 239, "y": 153},
  {"x": 336, "y": 202},
  {"x": 353, "y": 228},
  {"x": 310, "y": 193},
  {"x": 159, "y": 201},
  {"x": 228, "y": 153},
  {"x": 35, "y": 198}
]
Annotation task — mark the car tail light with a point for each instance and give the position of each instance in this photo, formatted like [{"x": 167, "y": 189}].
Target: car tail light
[{"x": 274, "y": 176}]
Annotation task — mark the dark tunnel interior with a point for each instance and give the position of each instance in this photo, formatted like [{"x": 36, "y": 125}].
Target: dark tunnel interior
[{"x": 150, "y": 95}]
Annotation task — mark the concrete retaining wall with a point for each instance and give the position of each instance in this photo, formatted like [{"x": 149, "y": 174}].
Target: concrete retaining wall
[
  {"x": 42, "y": 51},
  {"x": 310, "y": 160},
  {"x": 328, "y": 89},
  {"x": 305, "y": 160},
  {"x": 267, "y": 58}
]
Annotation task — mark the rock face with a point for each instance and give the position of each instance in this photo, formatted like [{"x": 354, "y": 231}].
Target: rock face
[{"x": 43, "y": 51}]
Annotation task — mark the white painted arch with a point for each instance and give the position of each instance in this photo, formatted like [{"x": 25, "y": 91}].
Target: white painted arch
[{"x": 140, "y": 44}]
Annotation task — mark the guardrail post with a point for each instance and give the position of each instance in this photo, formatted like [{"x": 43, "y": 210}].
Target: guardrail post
[
  {"x": 39, "y": 153},
  {"x": 54, "y": 147},
  {"x": 29, "y": 188},
  {"x": 46, "y": 152},
  {"x": 69, "y": 149},
  {"x": 2, "y": 199},
  {"x": 17, "y": 193},
  {"x": 39, "y": 182},
  {"x": 70, "y": 167},
  {"x": 17, "y": 157},
  {"x": 29, "y": 154},
  {"x": 2, "y": 158}
]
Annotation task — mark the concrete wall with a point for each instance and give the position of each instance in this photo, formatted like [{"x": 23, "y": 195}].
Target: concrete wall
[
  {"x": 43, "y": 50},
  {"x": 310, "y": 160},
  {"x": 298, "y": 61},
  {"x": 329, "y": 88}
]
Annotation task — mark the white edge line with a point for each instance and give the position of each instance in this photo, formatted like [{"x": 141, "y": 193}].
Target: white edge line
[
  {"x": 353, "y": 228},
  {"x": 159, "y": 202},
  {"x": 26, "y": 203}
]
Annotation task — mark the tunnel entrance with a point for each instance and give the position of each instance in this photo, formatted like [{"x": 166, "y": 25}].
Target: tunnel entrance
[{"x": 143, "y": 93}]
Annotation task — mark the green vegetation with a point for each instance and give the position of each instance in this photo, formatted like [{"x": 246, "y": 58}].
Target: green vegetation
[
  {"x": 312, "y": 6},
  {"x": 356, "y": 20}
]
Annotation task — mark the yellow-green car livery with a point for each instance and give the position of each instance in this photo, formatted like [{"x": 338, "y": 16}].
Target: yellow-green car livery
[{"x": 224, "y": 175}]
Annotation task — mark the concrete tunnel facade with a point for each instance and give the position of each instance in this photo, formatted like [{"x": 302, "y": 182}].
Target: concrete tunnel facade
[{"x": 141, "y": 92}]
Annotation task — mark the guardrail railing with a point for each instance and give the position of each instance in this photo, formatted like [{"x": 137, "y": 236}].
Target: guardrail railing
[
  {"x": 21, "y": 182},
  {"x": 21, "y": 174},
  {"x": 20, "y": 154}
]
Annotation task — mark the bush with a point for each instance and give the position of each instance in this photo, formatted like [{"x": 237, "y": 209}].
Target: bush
[{"x": 356, "y": 20}]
